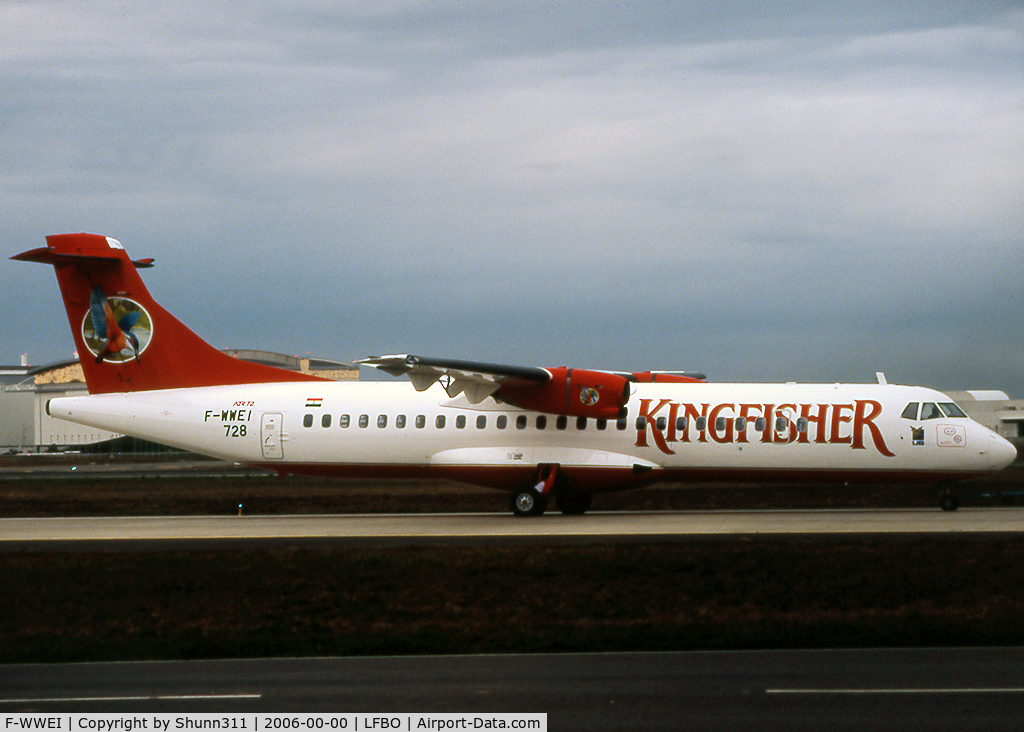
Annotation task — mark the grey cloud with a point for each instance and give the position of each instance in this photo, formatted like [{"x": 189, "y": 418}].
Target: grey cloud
[{"x": 782, "y": 193}]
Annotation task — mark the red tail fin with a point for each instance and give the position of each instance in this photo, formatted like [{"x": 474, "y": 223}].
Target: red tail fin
[{"x": 125, "y": 340}]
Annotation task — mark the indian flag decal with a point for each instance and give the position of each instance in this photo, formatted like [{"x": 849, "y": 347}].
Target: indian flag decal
[{"x": 316, "y": 402}]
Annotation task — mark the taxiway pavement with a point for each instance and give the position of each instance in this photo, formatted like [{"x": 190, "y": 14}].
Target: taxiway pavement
[{"x": 431, "y": 528}]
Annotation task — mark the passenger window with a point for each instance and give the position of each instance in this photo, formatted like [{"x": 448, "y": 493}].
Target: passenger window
[
  {"x": 343, "y": 421},
  {"x": 521, "y": 422},
  {"x": 952, "y": 410},
  {"x": 741, "y": 423},
  {"x": 460, "y": 421},
  {"x": 620, "y": 424},
  {"x": 701, "y": 423},
  {"x": 760, "y": 423},
  {"x": 364, "y": 420},
  {"x": 910, "y": 412},
  {"x": 681, "y": 424},
  {"x": 581, "y": 423},
  {"x": 421, "y": 421},
  {"x": 502, "y": 422},
  {"x": 325, "y": 421},
  {"x": 661, "y": 423},
  {"x": 561, "y": 422},
  {"x": 930, "y": 411},
  {"x": 382, "y": 421},
  {"x": 801, "y": 425},
  {"x": 307, "y": 421},
  {"x": 780, "y": 424},
  {"x": 602, "y": 423},
  {"x": 481, "y": 422},
  {"x": 400, "y": 421},
  {"x": 720, "y": 424},
  {"x": 439, "y": 422},
  {"x": 542, "y": 421}
]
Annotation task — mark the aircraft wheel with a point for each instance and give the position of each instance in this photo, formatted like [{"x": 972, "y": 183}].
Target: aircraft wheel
[
  {"x": 573, "y": 503},
  {"x": 528, "y": 503},
  {"x": 949, "y": 501}
]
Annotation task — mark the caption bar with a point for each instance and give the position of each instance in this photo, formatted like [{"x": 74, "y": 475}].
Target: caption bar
[{"x": 271, "y": 722}]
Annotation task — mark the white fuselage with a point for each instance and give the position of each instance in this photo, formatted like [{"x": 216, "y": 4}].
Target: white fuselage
[{"x": 688, "y": 431}]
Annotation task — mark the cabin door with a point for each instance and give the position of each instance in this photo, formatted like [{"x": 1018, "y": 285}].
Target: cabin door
[{"x": 271, "y": 436}]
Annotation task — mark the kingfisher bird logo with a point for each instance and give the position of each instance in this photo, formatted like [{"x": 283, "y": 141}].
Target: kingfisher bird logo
[
  {"x": 589, "y": 396},
  {"x": 115, "y": 329}
]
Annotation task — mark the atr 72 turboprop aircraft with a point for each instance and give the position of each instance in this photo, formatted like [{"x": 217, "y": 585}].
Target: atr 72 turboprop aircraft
[{"x": 534, "y": 432}]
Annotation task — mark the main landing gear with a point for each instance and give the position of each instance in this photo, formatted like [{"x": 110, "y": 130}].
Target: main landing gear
[
  {"x": 572, "y": 503},
  {"x": 528, "y": 502},
  {"x": 533, "y": 501}
]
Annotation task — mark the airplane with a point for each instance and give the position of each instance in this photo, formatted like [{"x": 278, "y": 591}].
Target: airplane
[{"x": 533, "y": 432}]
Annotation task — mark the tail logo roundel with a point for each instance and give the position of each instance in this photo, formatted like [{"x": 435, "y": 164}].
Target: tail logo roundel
[{"x": 115, "y": 329}]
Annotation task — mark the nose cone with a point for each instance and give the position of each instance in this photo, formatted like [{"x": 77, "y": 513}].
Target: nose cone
[{"x": 1002, "y": 452}]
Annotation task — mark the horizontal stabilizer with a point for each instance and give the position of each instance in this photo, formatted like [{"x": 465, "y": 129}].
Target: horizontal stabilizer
[{"x": 45, "y": 255}]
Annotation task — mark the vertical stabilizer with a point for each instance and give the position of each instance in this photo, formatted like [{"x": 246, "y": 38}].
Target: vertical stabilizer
[{"x": 125, "y": 340}]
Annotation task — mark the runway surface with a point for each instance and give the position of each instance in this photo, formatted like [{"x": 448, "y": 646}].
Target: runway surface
[
  {"x": 897, "y": 689},
  {"x": 427, "y": 528}
]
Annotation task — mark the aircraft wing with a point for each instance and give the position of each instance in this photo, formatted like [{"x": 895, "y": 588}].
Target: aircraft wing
[
  {"x": 559, "y": 390},
  {"x": 476, "y": 380}
]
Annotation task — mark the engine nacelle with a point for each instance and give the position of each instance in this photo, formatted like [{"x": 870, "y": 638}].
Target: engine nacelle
[{"x": 573, "y": 392}]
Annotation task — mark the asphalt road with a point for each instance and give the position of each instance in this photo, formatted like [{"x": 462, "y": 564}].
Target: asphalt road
[
  {"x": 430, "y": 528},
  {"x": 921, "y": 689}
]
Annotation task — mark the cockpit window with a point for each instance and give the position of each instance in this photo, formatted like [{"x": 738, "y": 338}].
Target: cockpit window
[
  {"x": 952, "y": 410},
  {"x": 930, "y": 411},
  {"x": 910, "y": 412}
]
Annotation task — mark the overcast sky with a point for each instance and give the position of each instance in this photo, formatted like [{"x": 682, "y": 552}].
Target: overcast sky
[{"x": 802, "y": 191}]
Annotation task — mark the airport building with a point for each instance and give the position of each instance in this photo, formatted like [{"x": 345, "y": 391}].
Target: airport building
[
  {"x": 995, "y": 410},
  {"x": 26, "y": 427}
]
